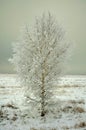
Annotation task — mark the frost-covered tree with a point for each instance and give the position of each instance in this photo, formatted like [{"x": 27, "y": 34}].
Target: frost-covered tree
[{"x": 39, "y": 58}]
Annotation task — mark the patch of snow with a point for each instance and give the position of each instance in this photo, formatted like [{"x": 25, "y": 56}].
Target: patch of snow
[{"x": 71, "y": 108}]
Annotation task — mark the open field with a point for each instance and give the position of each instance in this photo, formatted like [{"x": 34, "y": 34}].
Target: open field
[{"x": 71, "y": 108}]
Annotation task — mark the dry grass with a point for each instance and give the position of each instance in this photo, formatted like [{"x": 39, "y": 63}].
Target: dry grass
[
  {"x": 43, "y": 129},
  {"x": 76, "y": 102},
  {"x": 74, "y": 109},
  {"x": 65, "y": 128},
  {"x": 9, "y": 106},
  {"x": 1, "y": 114},
  {"x": 78, "y": 109},
  {"x": 80, "y": 125},
  {"x": 76, "y": 126},
  {"x": 68, "y": 86}
]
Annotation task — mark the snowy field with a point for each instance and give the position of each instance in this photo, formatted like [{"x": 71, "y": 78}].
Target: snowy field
[{"x": 71, "y": 108}]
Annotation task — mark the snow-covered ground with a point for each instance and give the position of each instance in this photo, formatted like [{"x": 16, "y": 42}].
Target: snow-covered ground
[{"x": 71, "y": 108}]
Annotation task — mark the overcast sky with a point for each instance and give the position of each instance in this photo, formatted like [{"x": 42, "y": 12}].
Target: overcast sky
[{"x": 70, "y": 13}]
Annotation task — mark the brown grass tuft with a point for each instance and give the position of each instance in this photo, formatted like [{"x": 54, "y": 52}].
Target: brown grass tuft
[
  {"x": 42, "y": 129},
  {"x": 65, "y": 128},
  {"x": 76, "y": 102},
  {"x": 9, "y": 106},
  {"x": 78, "y": 110},
  {"x": 1, "y": 113},
  {"x": 80, "y": 125}
]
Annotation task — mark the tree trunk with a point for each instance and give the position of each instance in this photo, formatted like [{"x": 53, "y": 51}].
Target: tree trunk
[{"x": 43, "y": 97}]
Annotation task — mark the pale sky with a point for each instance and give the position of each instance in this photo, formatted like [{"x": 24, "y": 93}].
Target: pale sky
[{"x": 70, "y": 13}]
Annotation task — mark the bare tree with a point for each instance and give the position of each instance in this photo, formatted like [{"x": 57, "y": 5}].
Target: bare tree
[{"x": 39, "y": 58}]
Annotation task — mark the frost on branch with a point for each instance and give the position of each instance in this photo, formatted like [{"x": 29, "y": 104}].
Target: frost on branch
[{"x": 39, "y": 58}]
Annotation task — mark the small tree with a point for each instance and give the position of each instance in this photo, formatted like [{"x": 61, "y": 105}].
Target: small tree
[{"x": 39, "y": 58}]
